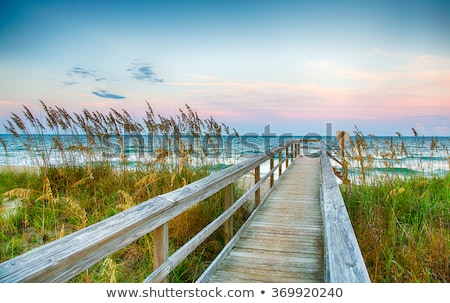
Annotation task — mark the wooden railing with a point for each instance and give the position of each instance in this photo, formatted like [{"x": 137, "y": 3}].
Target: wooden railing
[
  {"x": 343, "y": 259},
  {"x": 60, "y": 260}
]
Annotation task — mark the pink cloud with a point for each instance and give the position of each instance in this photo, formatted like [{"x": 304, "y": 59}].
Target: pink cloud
[{"x": 418, "y": 88}]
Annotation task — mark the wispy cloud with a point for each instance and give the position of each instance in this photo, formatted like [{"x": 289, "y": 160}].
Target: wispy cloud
[
  {"x": 81, "y": 72},
  {"x": 144, "y": 72},
  {"x": 427, "y": 62},
  {"x": 69, "y": 83},
  {"x": 429, "y": 117},
  {"x": 105, "y": 94},
  {"x": 77, "y": 73}
]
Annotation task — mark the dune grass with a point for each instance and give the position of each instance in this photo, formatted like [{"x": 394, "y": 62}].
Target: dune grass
[
  {"x": 403, "y": 228},
  {"x": 86, "y": 186},
  {"x": 402, "y": 222}
]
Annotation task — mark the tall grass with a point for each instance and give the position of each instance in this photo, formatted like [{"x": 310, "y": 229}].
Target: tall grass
[
  {"x": 91, "y": 165},
  {"x": 116, "y": 137},
  {"x": 401, "y": 217}
]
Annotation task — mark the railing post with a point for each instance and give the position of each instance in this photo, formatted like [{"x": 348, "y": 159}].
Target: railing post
[
  {"x": 280, "y": 168},
  {"x": 272, "y": 164},
  {"x": 258, "y": 191},
  {"x": 160, "y": 246},
  {"x": 287, "y": 156},
  {"x": 228, "y": 201}
]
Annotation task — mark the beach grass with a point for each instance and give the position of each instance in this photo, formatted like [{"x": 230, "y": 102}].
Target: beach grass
[
  {"x": 403, "y": 228},
  {"x": 401, "y": 221},
  {"x": 53, "y": 200},
  {"x": 49, "y": 209}
]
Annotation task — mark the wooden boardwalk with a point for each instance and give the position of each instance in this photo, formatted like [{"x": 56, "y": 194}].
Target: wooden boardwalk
[{"x": 284, "y": 241}]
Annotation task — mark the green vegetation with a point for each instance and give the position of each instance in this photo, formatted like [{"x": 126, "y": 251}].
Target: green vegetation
[
  {"x": 57, "y": 199},
  {"x": 402, "y": 223},
  {"x": 403, "y": 228}
]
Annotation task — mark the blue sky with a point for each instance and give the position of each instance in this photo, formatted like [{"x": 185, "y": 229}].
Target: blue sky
[{"x": 296, "y": 65}]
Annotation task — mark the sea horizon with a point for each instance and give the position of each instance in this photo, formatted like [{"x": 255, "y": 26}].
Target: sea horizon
[{"x": 396, "y": 154}]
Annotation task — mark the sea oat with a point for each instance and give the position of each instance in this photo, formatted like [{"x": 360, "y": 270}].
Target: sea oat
[{"x": 128, "y": 200}]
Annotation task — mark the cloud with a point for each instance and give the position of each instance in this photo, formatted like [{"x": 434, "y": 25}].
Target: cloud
[
  {"x": 144, "y": 72},
  {"x": 105, "y": 94},
  {"x": 427, "y": 62},
  {"x": 100, "y": 79},
  {"x": 69, "y": 83},
  {"x": 81, "y": 72},
  {"x": 429, "y": 117}
]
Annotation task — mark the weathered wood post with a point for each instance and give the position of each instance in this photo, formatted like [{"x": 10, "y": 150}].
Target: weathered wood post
[
  {"x": 287, "y": 156},
  {"x": 342, "y": 137},
  {"x": 258, "y": 191},
  {"x": 272, "y": 164},
  {"x": 160, "y": 246},
  {"x": 280, "y": 168},
  {"x": 228, "y": 201}
]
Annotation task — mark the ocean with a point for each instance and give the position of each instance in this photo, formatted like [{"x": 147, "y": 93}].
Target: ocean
[{"x": 382, "y": 155}]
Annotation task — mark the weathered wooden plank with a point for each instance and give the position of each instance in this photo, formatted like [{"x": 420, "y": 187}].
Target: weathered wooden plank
[
  {"x": 291, "y": 257},
  {"x": 272, "y": 178},
  {"x": 284, "y": 241},
  {"x": 281, "y": 231},
  {"x": 233, "y": 272},
  {"x": 160, "y": 245},
  {"x": 283, "y": 223},
  {"x": 251, "y": 278},
  {"x": 228, "y": 201},
  {"x": 287, "y": 231},
  {"x": 258, "y": 191},
  {"x": 344, "y": 261},
  {"x": 271, "y": 267},
  {"x": 294, "y": 243},
  {"x": 281, "y": 247}
]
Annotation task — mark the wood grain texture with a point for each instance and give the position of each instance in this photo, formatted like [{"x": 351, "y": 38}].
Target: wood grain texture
[
  {"x": 284, "y": 240},
  {"x": 343, "y": 258}
]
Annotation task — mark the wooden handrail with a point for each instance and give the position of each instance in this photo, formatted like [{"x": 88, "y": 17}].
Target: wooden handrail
[
  {"x": 343, "y": 259},
  {"x": 60, "y": 260}
]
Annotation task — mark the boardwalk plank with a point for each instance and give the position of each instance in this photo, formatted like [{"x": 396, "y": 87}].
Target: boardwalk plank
[{"x": 284, "y": 242}]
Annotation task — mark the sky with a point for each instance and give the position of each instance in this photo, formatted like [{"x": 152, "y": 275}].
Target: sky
[{"x": 382, "y": 66}]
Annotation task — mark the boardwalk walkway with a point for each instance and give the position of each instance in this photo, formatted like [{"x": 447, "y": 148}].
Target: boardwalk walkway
[{"x": 284, "y": 242}]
